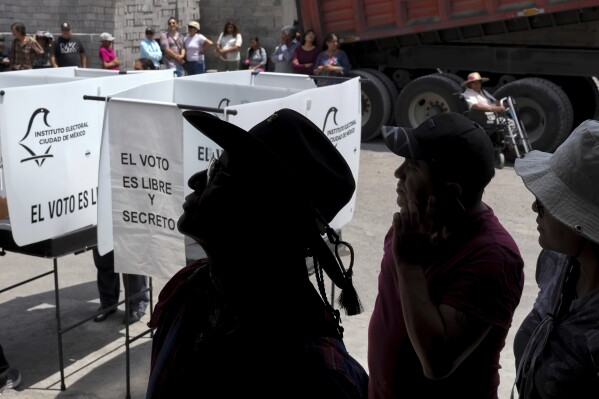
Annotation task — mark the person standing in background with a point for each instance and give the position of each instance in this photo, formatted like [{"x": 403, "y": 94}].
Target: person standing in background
[
  {"x": 109, "y": 289},
  {"x": 256, "y": 56},
  {"x": 227, "y": 47},
  {"x": 4, "y": 60},
  {"x": 106, "y": 51},
  {"x": 195, "y": 43},
  {"x": 150, "y": 49},
  {"x": 283, "y": 53},
  {"x": 24, "y": 50},
  {"x": 45, "y": 40},
  {"x": 67, "y": 50},
  {"x": 171, "y": 43},
  {"x": 332, "y": 61},
  {"x": 305, "y": 55}
]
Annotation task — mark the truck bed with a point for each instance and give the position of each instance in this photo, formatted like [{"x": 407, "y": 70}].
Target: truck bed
[{"x": 445, "y": 20}]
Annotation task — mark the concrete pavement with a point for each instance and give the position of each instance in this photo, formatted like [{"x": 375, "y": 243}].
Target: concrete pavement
[{"x": 94, "y": 353}]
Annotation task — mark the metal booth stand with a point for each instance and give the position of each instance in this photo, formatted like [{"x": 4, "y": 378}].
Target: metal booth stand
[{"x": 73, "y": 243}]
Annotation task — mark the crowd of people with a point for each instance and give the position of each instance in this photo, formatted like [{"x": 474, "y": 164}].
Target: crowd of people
[{"x": 183, "y": 53}]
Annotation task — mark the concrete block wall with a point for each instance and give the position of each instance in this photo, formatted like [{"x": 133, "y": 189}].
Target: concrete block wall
[{"x": 127, "y": 20}]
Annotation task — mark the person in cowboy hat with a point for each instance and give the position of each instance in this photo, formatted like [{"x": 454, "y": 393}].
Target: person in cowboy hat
[
  {"x": 557, "y": 344},
  {"x": 247, "y": 320},
  {"x": 451, "y": 276},
  {"x": 477, "y": 97}
]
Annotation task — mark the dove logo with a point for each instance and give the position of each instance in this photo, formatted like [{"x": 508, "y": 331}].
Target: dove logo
[
  {"x": 332, "y": 111},
  {"x": 38, "y": 153},
  {"x": 336, "y": 132}
]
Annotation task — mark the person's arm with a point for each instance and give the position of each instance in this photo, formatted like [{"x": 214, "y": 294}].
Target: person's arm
[
  {"x": 488, "y": 108},
  {"x": 3, "y": 208},
  {"x": 275, "y": 54},
  {"x": 53, "y": 51},
  {"x": 441, "y": 335},
  {"x": 207, "y": 43},
  {"x": 83, "y": 60},
  {"x": 344, "y": 62},
  {"x": 263, "y": 58}
]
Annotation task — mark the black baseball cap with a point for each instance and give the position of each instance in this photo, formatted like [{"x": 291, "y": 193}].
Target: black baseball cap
[
  {"x": 458, "y": 145},
  {"x": 149, "y": 31},
  {"x": 65, "y": 26}
]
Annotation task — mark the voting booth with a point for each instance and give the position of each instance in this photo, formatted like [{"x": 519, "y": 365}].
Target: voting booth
[
  {"x": 93, "y": 158},
  {"x": 49, "y": 157},
  {"x": 149, "y": 152}
]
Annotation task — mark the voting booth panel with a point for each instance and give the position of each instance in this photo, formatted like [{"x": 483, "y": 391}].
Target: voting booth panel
[
  {"x": 50, "y": 144},
  {"x": 335, "y": 109}
]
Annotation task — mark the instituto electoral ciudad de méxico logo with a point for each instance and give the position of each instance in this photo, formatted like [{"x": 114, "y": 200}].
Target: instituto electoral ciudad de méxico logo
[{"x": 37, "y": 151}]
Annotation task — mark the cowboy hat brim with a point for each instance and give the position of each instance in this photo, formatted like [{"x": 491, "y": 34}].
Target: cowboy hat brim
[{"x": 482, "y": 80}]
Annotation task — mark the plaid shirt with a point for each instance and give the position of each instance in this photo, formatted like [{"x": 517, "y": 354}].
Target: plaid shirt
[{"x": 22, "y": 54}]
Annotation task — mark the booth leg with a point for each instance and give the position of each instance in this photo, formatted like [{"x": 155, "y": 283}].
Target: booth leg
[
  {"x": 127, "y": 359},
  {"x": 58, "y": 326}
]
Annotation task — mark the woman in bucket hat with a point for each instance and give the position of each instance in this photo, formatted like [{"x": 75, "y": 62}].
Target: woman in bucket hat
[
  {"x": 248, "y": 320},
  {"x": 557, "y": 345}
]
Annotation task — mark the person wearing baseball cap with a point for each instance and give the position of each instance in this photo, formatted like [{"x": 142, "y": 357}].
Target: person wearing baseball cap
[
  {"x": 451, "y": 276},
  {"x": 67, "y": 50},
  {"x": 557, "y": 345},
  {"x": 106, "y": 52},
  {"x": 149, "y": 48}
]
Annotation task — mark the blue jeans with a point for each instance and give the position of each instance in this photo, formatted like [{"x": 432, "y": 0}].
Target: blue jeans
[
  {"x": 194, "y": 67},
  {"x": 178, "y": 68}
]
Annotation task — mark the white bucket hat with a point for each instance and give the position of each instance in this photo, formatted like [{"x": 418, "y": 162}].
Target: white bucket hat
[{"x": 567, "y": 181}]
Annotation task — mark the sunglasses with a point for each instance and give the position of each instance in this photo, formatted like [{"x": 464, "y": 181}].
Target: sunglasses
[{"x": 540, "y": 208}]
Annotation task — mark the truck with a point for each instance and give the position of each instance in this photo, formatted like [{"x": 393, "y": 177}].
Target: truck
[{"x": 413, "y": 55}]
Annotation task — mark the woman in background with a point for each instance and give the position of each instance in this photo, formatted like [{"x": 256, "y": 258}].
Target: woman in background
[
  {"x": 107, "y": 55},
  {"x": 227, "y": 47},
  {"x": 195, "y": 43},
  {"x": 256, "y": 56},
  {"x": 305, "y": 55},
  {"x": 332, "y": 61}
]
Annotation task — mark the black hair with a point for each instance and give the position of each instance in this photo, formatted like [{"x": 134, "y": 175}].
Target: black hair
[
  {"x": 19, "y": 27},
  {"x": 327, "y": 39},
  {"x": 146, "y": 64},
  {"x": 305, "y": 34}
]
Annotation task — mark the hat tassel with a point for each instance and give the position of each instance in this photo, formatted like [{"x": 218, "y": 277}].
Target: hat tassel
[{"x": 348, "y": 298}]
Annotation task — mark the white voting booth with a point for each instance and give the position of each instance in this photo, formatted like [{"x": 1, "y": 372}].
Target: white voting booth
[
  {"x": 149, "y": 152},
  {"x": 93, "y": 157},
  {"x": 49, "y": 157}
]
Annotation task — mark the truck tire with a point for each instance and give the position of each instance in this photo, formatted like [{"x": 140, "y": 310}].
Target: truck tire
[
  {"x": 544, "y": 109},
  {"x": 391, "y": 89},
  {"x": 376, "y": 104},
  {"x": 427, "y": 96},
  {"x": 453, "y": 77}
]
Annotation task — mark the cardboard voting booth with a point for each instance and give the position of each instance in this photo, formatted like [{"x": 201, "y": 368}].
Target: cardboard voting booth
[
  {"x": 49, "y": 157},
  {"x": 50, "y": 146},
  {"x": 149, "y": 152}
]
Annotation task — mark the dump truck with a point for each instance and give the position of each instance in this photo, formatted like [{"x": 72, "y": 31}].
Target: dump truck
[{"x": 413, "y": 56}]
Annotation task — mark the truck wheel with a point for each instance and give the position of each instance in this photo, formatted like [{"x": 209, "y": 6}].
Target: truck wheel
[
  {"x": 453, "y": 77},
  {"x": 391, "y": 89},
  {"x": 376, "y": 104},
  {"x": 544, "y": 109},
  {"x": 427, "y": 96}
]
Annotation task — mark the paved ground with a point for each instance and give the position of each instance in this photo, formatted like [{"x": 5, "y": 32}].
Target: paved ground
[{"x": 94, "y": 353}]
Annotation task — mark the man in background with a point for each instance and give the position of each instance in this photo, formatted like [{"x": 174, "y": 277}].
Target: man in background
[
  {"x": 67, "y": 50},
  {"x": 24, "y": 50},
  {"x": 283, "y": 53}
]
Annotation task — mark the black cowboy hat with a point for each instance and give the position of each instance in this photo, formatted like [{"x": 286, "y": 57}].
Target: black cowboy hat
[{"x": 290, "y": 143}]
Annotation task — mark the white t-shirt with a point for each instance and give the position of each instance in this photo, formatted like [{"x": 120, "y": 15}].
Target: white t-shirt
[
  {"x": 482, "y": 98},
  {"x": 193, "y": 47},
  {"x": 228, "y": 41}
]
